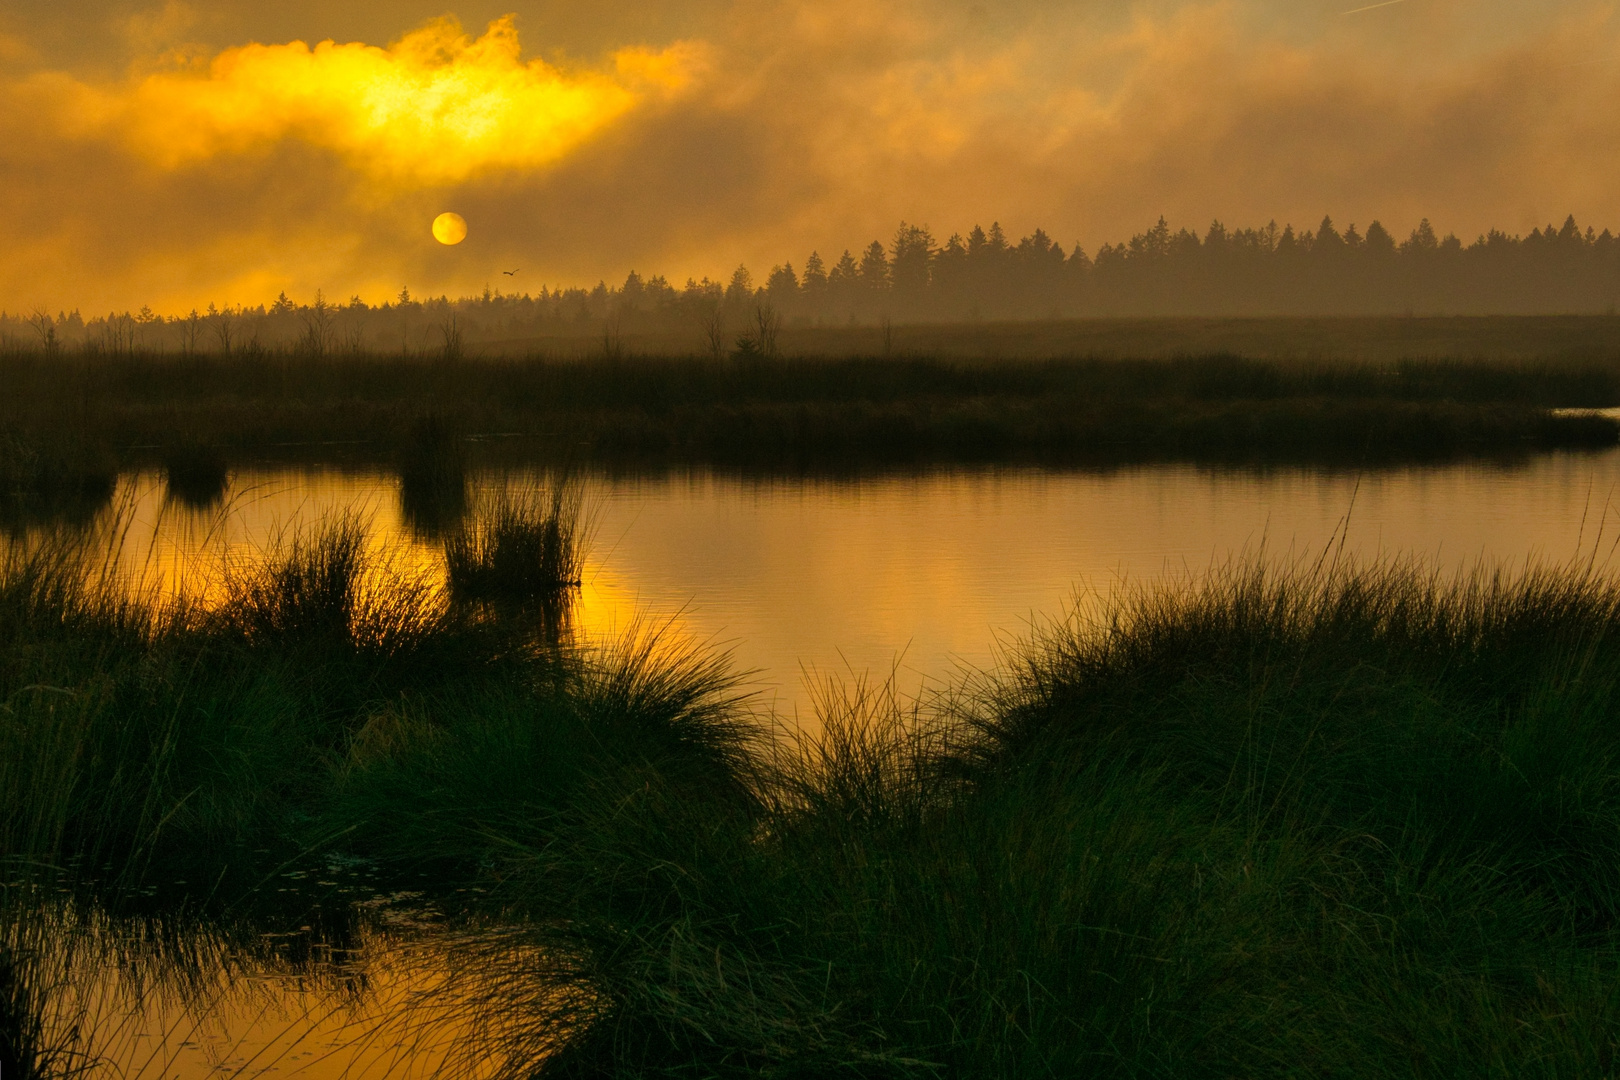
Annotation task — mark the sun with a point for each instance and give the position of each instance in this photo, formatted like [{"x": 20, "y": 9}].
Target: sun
[{"x": 449, "y": 228}]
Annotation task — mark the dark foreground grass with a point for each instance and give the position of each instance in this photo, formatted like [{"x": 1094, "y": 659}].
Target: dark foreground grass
[
  {"x": 1350, "y": 823},
  {"x": 1328, "y": 821}
]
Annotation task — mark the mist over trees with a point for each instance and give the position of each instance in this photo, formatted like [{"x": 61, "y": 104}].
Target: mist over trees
[{"x": 915, "y": 277}]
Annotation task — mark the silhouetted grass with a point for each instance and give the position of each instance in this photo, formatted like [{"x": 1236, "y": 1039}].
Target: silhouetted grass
[
  {"x": 1321, "y": 821},
  {"x": 523, "y": 545},
  {"x": 432, "y": 463},
  {"x": 139, "y": 731},
  {"x": 195, "y": 475},
  {"x": 1349, "y": 822}
]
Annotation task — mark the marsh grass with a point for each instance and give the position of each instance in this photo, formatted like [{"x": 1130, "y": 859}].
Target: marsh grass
[
  {"x": 152, "y": 733},
  {"x": 310, "y": 589},
  {"x": 195, "y": 475},
  {"x": 432, "y": 463},
  {"x": 1321, "y": 820},
  {"x": 1331, "y": 822},
  {"x": 521, "y": 545}
]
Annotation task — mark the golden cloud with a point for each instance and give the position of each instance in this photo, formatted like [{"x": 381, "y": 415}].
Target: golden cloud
[{"x": 436, "y": 107}]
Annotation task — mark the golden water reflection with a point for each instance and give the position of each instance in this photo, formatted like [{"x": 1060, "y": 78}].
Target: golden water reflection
[
  {"x": 116, "y": 1004},
  {"x": 923, "y": 574}
]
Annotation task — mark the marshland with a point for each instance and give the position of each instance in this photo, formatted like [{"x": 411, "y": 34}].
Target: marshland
[
  {"x": 890, "y": 540},
  {"x": 1099, "y": 397},
  {"x": 1184, "y": 714},
  {"x": 1343, "y": 815}
]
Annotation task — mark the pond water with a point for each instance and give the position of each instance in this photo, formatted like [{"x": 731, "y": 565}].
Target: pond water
[
  {"x": 918, "y": 577},
  {"x": 132, "y": 998}
]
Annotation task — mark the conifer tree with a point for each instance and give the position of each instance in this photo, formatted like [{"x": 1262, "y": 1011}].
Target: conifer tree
[
  {"x": 814, "y": 281},
  {"x": 875, "y": 267}
]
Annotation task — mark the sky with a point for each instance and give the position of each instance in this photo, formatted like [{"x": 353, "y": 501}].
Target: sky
[{"x": 174, "y": 154}]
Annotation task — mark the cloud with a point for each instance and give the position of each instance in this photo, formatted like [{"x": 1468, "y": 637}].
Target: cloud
[
  {"x": 436, "y": 107},
  {"x": 825, "y": 124},
  {"x": 791, "y": 125},
  {"x": 1094, "y": 132},
  {"x": 13, "y": 48},
  {"x": 150, "y": 32}
]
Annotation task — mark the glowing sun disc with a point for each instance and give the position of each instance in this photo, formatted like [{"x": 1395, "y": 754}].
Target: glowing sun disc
[{"x": 449, "y": 228}]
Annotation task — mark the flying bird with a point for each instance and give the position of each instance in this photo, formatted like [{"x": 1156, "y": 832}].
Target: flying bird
[{"x": 509, "y": 273}]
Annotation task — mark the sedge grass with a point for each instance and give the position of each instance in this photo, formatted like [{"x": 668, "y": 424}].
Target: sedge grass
[
  {"x": 524, "y": 545},
  {"x": 1325, "y": 821},
  {"x": 1342, "y": 822}
]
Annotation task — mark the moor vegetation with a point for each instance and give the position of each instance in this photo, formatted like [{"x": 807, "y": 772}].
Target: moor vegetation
[
  {"x": 1323, "y": 821},
  {"x": 68, "y": 424}
]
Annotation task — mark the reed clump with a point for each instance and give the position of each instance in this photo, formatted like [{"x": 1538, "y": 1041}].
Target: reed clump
[
  {"x": 432, "y": 464},
  {"x": 521, "y": 545},
  {"x": 195, "y": 474}
]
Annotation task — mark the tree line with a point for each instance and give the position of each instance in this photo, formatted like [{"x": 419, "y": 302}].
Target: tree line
[{"x": 984, "y": 275}]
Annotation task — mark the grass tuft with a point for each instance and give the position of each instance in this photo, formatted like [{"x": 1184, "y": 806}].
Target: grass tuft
[
  {"x": 1325, "y": 821},
  {"x": 311, "y": 590},
  {"x": 520, "y": 546},
  {"x": 432, "y": 477},
  {"x": 195, "y": 475}
]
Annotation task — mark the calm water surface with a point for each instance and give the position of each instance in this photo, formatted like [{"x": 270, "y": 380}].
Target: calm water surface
[{"x": 921, "y": 576}]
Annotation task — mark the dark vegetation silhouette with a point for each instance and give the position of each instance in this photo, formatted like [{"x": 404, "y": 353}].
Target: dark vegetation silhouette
[
  {"x": 521, "y": 552},
  {"x": 431, "y": 461},
  {"x": 1323, "y": 820},
  {"x": 71, "y": 424},
  {"x": 195, "y": 474},
  {"x": 985, "y": 275},
  {"x": 48, "y": 478}
]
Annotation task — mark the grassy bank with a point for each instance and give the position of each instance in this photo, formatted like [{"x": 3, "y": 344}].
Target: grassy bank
[
  {"x": 1331, "y": 821},
  {"x": 1344, "y": 823},
  {"x": 69, "y": 422}
]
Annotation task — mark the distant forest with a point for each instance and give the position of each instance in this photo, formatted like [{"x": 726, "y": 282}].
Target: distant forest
[{"x": 916, "y": 278}]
